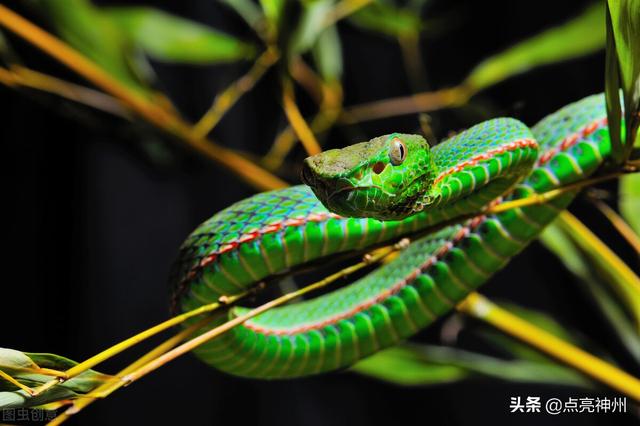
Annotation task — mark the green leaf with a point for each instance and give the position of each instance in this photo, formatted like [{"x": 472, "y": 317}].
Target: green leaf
[
  {"x": 273, "y": 10},
  {"x": 311, "y": 24},
  {"x": 385, "y": 18},
  {"x": 82, "y": 25},
  {"x": 26, "y": 368},
  {"x": 624, "y": 18},
  {"x": 559, "y": 243},
  {"x": 630, "y": 200},
  {"x": 582, "y": 35},
  {"x": 327, "y": 54},
  {"x": 404, "y": 366},
  {"x": 170, "y": 38},
  {"x": 517, "y": 348},
  {"x": 429, "y": 365},
  {"x": 612, "y": 94},
  {"x": 247, "y": 9}
]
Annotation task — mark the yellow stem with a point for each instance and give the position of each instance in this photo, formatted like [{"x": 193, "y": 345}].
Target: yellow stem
[
  {"x": 217, "y": 331},
  {"x": 25, "y": 77},
  {"x": 344, "y": 9},
  {"x": 326, "y": 117},
  {"x": 296, "y": 120},
  {"x": 225, "y": 100},
  {"x": 107, "y": 388},
  {"x": 134, "y": 340},
  {"x": 14, "y": 382},
  {"x": 621, "y": 226},
  {"x": 479, "y": 307},
  {"x": 412, "y": 104},
  {"x": 307, "y": 79},
  {"x": 160, "y": 117},
  {"x": 537, "y": 199},
  {"x": 412, "y": 56},
  {"x": 627, "y": 283}
]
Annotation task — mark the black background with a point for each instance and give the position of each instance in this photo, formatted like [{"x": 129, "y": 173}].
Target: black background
[{"x": 91, "y": 227}]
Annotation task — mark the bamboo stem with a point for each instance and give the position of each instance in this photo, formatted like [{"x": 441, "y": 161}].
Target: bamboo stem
[
  {"x": 225, "y": 100},
  {"x": 412, "y": 104},
  {"x": 19, "y": 76},
  {"x": 16, "y": 383},
  {"x": 134, "y": 340},
  {"x": 217, "y": 331},
  {"x": 299, "y": 125},
  {"x": 627, "y": 283},
  {"x": 544, "y": 197},
  {"x": 481, "y": 308},
  {"x": 619, "y": 223},
  {"x": 161, "y": 118},
  {"x": 344, "y": 9},
  {"x": 108, "y": 388}
]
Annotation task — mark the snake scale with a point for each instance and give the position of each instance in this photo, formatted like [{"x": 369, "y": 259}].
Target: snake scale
[{"x": 368, "y": 194}]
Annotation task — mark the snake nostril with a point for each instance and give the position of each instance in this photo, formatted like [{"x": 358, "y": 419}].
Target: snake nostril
[{"x": 378, "y": 167}]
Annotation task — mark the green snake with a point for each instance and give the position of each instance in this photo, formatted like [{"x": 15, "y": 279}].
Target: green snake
[{"x": 373, "y": 193}]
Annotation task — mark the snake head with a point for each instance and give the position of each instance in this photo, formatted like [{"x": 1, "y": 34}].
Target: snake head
[{"x": 385, "y": 178}]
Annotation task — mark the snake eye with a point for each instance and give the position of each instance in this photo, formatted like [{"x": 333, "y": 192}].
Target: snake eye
[{"x": 397, "y": 152}]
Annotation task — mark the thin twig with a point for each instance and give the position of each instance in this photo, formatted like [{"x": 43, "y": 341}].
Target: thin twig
[
  {"x": 619, "y": 223},
  {"x": 160, "y": 117},
  {"x": 16, "y": 383},
  {"x": 19, "y": 76},
  {"x": 299, "y": 125},
  {"x": 226, "y": 99},
  {"x": 217, "y": 331},
  {"x": 344, "y": 9},
  {"x": 134, "y": 340},
  {"x": 329, "y": 112},
  {"x": 412, "y": 104},
  {"x": 111, "y": 386}
]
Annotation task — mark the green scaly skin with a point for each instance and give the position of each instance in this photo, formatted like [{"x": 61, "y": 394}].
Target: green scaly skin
[{"x": 274, "y": 232}]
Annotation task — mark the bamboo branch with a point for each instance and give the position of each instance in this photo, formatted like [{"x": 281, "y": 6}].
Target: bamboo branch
[
  {"x": 217, "y": 331},
  {"x": 412, "y": 104},
  {"x": 109, "y": 387},
  {"x": 481, "y": 308},
  {"x": 299, "y": 125},
  {"x": 619, "y": 223},
  {"x": 161, "y": 118},
  {"x": 134, "y": 340},
  {"x": 19, "y": 76},
  {"x": 225, "y": 100}
]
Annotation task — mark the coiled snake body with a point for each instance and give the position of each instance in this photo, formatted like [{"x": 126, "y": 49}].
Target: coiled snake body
[{"x": 379, "y": 191}]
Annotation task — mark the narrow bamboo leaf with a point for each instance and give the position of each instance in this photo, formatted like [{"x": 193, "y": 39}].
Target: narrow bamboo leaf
[
  {"x": 630, "y": 200},
  {"x": 559, "y": 243},
  {"x": 25, "y": 368},
  {"x": 247, "y": 9},
  {"x": 625, "y": 25},
  {"x": 429, "y": 365},
  {"x": 403, "y": 366},
  {"x": 311, "y": 24},
  {"x": 327, "y": 54},
  {"x": 612, "y": 93},
  {"x": 582, "y": 35},
  {"x": 273, "y": 10},
  {"x": 170, "y": 38},
  {"x": 82, "y": 25},
  {"x": 605, "y": 262},
  {"x": 542, "y": 320},
  {"x": 385, "y": 18},
  {"x": 521, "y": 350}
]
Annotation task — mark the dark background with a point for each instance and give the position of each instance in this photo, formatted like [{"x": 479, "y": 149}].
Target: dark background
[{"x": 92, "y": 227}]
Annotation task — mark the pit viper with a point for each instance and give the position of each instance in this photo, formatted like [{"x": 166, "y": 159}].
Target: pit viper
[{"x": 373, "y": 193}]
